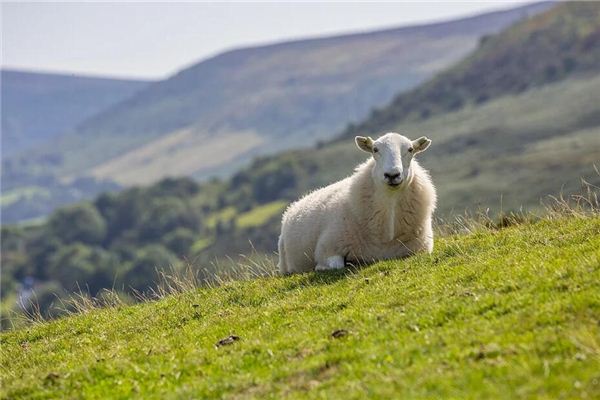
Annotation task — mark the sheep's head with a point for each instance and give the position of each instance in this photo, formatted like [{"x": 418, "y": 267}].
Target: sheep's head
[{"x": 393, "y": 154}]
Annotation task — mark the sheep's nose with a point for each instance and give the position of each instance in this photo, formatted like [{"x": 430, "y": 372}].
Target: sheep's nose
[{"x": 391, "y": 177}]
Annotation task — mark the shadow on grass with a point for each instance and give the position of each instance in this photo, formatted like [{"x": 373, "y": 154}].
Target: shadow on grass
[{"x": 313, "y": 279}]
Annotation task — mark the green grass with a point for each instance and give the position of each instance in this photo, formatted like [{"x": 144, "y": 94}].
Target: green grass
[
  {"x": 225, "y": 214},
  {"x": 201, "y": 244},
  {"x": 22, "y": 193},
  {"x": 261, "y": 214},
  {"x": 511, "y": 313}
]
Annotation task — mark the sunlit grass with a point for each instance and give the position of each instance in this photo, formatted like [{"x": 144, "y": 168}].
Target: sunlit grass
[
  {"x": 22, "y": 193},
  {"x": 259, "y": 215},
  {"x": 224, "y": 214},
  {"x": 498, "y": 313}
]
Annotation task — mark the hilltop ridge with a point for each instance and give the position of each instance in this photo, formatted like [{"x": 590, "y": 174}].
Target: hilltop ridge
[{"x": 288, "y": 95}]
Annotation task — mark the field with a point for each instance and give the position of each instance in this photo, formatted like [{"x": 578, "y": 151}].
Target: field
[{"x": 496, "y": 313}]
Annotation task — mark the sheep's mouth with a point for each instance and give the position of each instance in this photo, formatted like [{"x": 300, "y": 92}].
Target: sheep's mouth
[{"x": 394, "y": 185}]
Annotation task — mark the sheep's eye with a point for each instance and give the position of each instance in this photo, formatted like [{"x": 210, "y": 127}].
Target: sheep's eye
[
  {"x": 375, "y": 150},
  {"x": 410, "y": 149}
]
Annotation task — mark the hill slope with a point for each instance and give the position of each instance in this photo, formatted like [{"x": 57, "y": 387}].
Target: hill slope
[
  {"x": 261, "y": 100},
  {"x": 557, "y": 44},
  {"x": 508, "y": 151},
  {"x": 503, "y": 154},
  {"x": 38, "y": 106},
  {"x": 519, "y": 148},
  {"x": 495, "y": 314}
]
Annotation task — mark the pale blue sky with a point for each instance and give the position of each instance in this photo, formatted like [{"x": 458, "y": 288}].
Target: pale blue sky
[{"x": 154, "y": 40}]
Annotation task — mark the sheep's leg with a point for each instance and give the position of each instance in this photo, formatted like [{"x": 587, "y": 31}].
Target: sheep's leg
[
  {"x": 327, "y": 253},
  {"x": 282, "y": 265},
  {"x": 330, "y": 263}
]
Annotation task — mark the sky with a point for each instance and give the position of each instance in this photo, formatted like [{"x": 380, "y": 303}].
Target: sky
[{"x": 151, "y": 40}]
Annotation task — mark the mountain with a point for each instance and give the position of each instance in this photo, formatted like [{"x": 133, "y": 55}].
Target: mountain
[
  {"x": 213, "y": 117},
  {"x": 36, "y": 107},
  {"x": 561, "y": 43}
]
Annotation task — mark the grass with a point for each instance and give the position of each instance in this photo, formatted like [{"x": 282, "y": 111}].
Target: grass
[
  {"x": 22, "y": 193},
  {"x": 497, "y": 313},
  {"x": 224, "y": 214},
  {"x": 201, "y": 244},
  {"x": 261, "y": 214}
]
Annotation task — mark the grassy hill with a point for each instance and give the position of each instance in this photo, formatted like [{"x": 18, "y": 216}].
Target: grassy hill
[
  {"x": 531, "y": 135},
  {"x": 505, "y": 154},
  {"x": 497, "y": 313},
  {"x": 557, "y": 44},
  {"x": 516, "y": 148},
  {"x": 215, "y": 116}
]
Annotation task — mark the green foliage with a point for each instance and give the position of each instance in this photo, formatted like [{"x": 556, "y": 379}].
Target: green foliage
[
  {"x": 180, "y": 241},
  {"x": 224, "y": 214},
  {"x": 72, "y": 265},
  {"x": 45, "y": 301},
  {"x": 258, "y": 216},
  {"x": 80, "y": 267},
  {"x": 163, "y": 215},
  {"x": 117, "y": 241},
  {"x": 500, "y": 313},
  {"x": 143, "y": 273},
  {"x": 79, "y": 223}
]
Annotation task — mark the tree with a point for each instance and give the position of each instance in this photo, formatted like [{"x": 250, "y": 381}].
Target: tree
[
  {"x": 79, "y": 223},
  {"x": 143, "y": 272},
  {"x": 72, "y": 266},
  {"x": 122, "y": 211},
  {"x": 179, "y": 187},
  {"x": 180, "y": 241},
  {"x": 163, "y": 215}
]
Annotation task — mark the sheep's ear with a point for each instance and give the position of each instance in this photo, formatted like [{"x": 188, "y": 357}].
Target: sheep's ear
[
  {"x": 364, "y": 143},
  {"x": 420, "y": 144}
]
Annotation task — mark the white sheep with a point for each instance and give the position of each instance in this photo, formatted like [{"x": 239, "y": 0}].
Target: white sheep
[{"x": 382, "y": 211}]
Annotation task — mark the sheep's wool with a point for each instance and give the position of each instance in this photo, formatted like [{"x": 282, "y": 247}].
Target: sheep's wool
[{"x": 357, "y": 220}]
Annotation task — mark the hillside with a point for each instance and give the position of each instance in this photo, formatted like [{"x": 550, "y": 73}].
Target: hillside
[
  {"x": 512, "y": 151},
  {"x": 495, "y": 314},
  {"x": 560, "y": 43},
  {"x": 264, "y": 99},
  {"x": 504, "y": 153},
  {"x": 37, "y": 107}
]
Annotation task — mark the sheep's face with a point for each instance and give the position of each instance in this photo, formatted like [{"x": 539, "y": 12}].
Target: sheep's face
[{"x": 393, "y": 154}]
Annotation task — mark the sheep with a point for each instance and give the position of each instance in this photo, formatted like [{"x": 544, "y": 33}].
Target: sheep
[{"x": 382, "y": 211}]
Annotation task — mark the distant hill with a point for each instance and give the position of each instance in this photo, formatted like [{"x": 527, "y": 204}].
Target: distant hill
[
  {"x": 36, "y": 108},
  {"x": 39, "y": 106},
  {"x": 561, "y": 43},
  {"x": 216, "y": 115}
]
